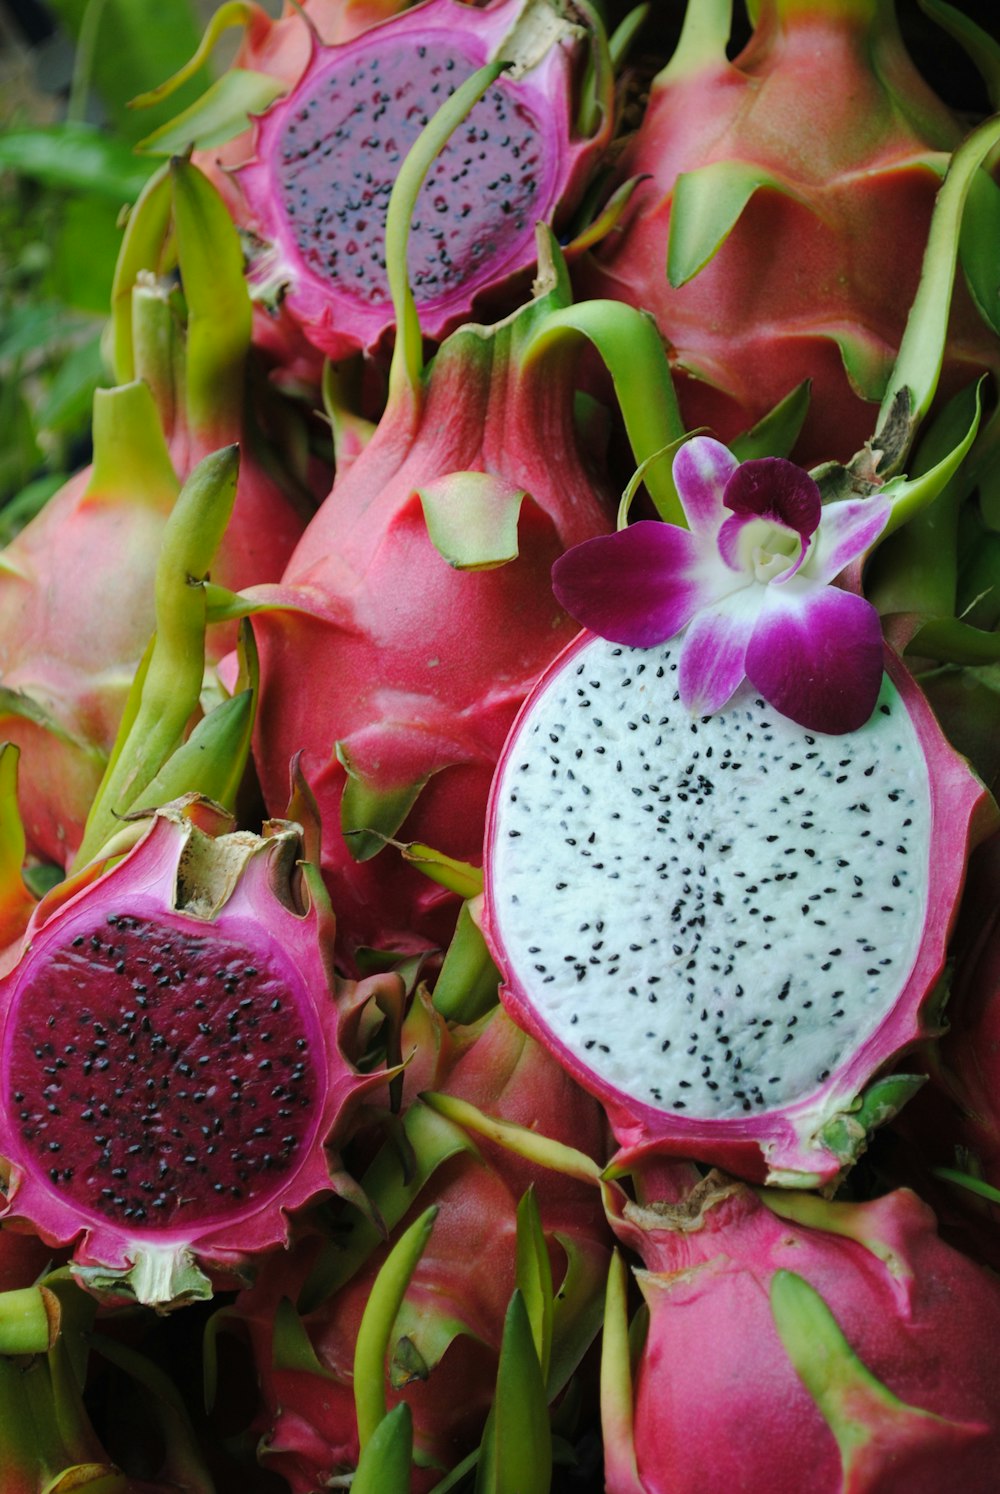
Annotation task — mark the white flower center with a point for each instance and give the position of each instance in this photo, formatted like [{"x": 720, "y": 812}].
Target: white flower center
[{"x": 768, "y": 549}]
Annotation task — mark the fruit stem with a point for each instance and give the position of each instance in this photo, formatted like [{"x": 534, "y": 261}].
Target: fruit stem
[{"x": 408, "y": 356}]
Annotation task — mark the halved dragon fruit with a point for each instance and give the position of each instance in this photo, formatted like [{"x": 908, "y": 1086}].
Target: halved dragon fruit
[
  {"x": 173, "y": 1069},
  {"x": 799, "y": 1344},
  {"x": 724, "y": 926},
  {"x": 326, "y": 156}
]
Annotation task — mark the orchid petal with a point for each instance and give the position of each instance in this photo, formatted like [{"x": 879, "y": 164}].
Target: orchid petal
[
  {"x": 776, "y": 489},
  {"x": 847, "y": 530},
  {"x": 714, "y": 649},
  {"x": 702, "y": 468},
  {"x": 816, "y": 656},
  {"x": 736, "y": 547},
  {"x": 639, "y": 586}
]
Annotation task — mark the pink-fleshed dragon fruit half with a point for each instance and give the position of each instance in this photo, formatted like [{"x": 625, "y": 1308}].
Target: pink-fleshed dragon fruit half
[
  {"x": 443, "y": 1349},
  {"x": 325, "y": 157},
  {"x": 799, "y": 1344},
  {"x": 778, "y": 233},
  {"x": 174, "y": 1064},
  {"x": 728, "y": 925}
]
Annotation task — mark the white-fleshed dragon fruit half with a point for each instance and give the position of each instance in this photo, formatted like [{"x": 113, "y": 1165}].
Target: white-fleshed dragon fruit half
[
  {"x": 724, "y": 926},
  {"x": 173, "y": 1057}
]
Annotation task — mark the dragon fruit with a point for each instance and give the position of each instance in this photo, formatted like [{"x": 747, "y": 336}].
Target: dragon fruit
[
  {"x": 326, "y": 155},
  {"x": 799, "y": 1344},
  {"x": 766, "y": 906},
  {"x": 778, "y": 233},
  {"x": 417, "y": 611},
  {"x": 173, "y": 1068},
  {"x": 77, "y": 584},
  {"x": 445, "y": 1340}
]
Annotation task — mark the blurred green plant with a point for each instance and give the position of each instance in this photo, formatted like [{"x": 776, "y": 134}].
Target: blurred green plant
[{"x": 64, "y": 184}]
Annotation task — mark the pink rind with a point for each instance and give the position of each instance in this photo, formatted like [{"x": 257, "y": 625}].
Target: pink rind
[{"x": 781, "y": 1146}]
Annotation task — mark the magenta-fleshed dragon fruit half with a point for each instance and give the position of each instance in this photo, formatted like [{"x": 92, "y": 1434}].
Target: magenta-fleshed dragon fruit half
[
  {"x": 173, "y": 1057},
  {"x": 326, "y": 155},
  {"x": 799, "y": 1344},
  {"x": 777, "y": 230},
  {"x": 724, "y": 925}
]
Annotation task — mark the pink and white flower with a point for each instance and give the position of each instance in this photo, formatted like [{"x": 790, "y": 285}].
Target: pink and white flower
[{"x": 749, "y": 586}]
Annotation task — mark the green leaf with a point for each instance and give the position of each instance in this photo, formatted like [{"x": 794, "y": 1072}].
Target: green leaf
[
  {"x": 861, "y": 1412},
  {"x": 978, "y": 247},
  {"x": 370, "y": 814},
  {"x": 222, "y": 112},
  {"x": 951, "y": 641},
  {"x": 706, "y": 207},
  {"x": 534, "y": 1277},
  {"x": 471, "y": 519},
  {"x": 516, "y": 1452},
  {"x": 468, "y": 985},
  {"x": 132, "y": 47},
  {"x": 84, "y": 249},
  {"x": 915, "y": 375},
  {"x": 776, "y": 432},
  {"x": 375, "y": 1329},
  {"x": 616, "y": 1381},
  {"x": 77, "y": 157},
  {"x": 385, "y": 1462},
  {"x": 982, "y": 46},
  {"x": 631, "y": 348}
]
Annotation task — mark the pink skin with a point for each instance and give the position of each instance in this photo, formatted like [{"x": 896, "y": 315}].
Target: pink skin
[
  {"x": 256, "y": 922},
  {"x": 772, "y": 1141},
  {"x": 718, "y": 1403},
  {"x": 340, "y": 314},
  {"x": 419, "y": 668},
  {"x": 840, "y": 258},
  {"x": 307, "y": 1423},
  {"x": 751, "y": 589}
]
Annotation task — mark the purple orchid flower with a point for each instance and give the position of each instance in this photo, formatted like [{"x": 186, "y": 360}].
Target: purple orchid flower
[{"x": 750, "y": 583}]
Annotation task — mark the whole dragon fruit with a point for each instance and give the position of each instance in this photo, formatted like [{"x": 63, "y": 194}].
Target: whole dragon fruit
[
  {"x": 725, "y": 925},
  {"x": 782, "y": 212},
  {"x": 174, "y": 1066},
  {"x": 416, "y": 613},
  {"x": 326, "y": 155},
  {"x": 445, "y": 1340},
  {"x": 77, "y": 583},
  {"x": 799, "y": 1344}
]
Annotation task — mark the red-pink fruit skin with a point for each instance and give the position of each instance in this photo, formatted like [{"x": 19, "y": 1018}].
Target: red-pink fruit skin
[
  {"x": 417, "y": 667},
  {"x": 780, "y": 1140},
  {"x": 719, "y": 1406},
  {"x": 850, "y": 137}
]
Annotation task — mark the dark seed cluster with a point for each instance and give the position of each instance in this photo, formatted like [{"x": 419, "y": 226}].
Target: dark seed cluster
[
  {"x": 160, "y": 1074},
  {"x": 339, "y": 154},
  {"x": 711, "y": 913}
]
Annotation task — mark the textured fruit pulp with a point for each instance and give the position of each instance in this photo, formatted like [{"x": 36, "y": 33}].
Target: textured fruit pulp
[
  {"x": 338, "y": 156},
  {"x": 160, "y": 1075}
]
